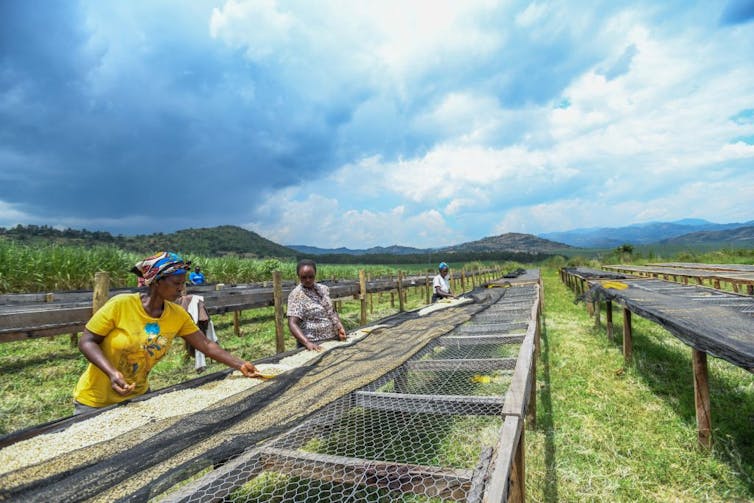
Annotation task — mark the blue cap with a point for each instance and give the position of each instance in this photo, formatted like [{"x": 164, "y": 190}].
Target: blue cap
[{"x": 442, "y": 266}]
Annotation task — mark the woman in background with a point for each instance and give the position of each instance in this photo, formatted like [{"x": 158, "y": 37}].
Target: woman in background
[
  {"x": 132, "y": 332},
  {"x": 441, "y": 284},
  {"x": 311, "y": 317}
]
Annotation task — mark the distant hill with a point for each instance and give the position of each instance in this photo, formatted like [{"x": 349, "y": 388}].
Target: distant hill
[
  {"x": 511, "y": 242},
  {"x": 637, "y": 234},
  {"x": 212, "y": 241},
  {"x": 741, "y": 237},
  {"x": 375, "y": 250}
]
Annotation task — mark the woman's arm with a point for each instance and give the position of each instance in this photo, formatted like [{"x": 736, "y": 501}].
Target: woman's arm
[
  {"x": 294, "y": 324},
  {"x": 341, "y": 328},
  {"x": 212, "y": 349},
  {"x": 440, "y": 293},
  {"x": 89, "y": 345}
]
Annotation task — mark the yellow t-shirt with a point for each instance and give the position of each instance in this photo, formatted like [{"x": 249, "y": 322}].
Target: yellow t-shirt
[{"x": 134, "y": 342}]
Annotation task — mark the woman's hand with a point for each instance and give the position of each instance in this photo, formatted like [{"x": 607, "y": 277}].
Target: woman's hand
[
  {"x": 341, "y": 333},
  {"x": 312, "y": 346},
  {"x": 120, "y": 385},
  {"x": 248, "y": 369}
]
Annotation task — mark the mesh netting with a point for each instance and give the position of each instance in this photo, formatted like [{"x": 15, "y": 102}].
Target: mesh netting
[
  {"x": 413, "y": 408},
  {"x": 589, "y": 273},
  {"x": 422, "y": 432},
  {"x": 713, "y": 321}
]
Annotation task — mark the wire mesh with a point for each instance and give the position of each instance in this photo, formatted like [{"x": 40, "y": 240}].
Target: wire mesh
[{"x": 422, "y": 432}]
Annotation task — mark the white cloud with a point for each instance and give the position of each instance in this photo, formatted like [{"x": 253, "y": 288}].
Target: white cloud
[
  {"x": 257, "y": 25},
  {"x": 690, "y": 200},
  {"x": 533, "y": 13},
  {"x": 322, "y": 222}
]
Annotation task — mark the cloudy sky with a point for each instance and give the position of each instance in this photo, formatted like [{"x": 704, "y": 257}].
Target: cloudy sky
[{"x": 364, "y": 123}]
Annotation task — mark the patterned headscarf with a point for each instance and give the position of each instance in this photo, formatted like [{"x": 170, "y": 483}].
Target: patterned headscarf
[
  {"x": 160, "y": 265},
  {"x": 442, "y": 266}
]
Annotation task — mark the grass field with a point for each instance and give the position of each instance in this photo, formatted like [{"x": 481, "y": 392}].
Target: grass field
[
  {"x": 610, "y": 432},
  {"x": 605, "y": 431}
]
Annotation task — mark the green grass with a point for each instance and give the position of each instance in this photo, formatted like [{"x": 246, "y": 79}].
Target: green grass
[{"x": 611, "y": 432}]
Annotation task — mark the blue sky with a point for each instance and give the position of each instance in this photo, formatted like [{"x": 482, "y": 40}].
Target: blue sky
[{"x": 362, "y": 123}]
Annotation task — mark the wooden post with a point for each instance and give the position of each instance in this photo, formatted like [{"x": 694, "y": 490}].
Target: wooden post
[
  {"x": 609, "y": 316},
  {"x": 701, "y": 398},
  {"x": 463, "y": 280},
  {"x": 716, "y": 284},
  {"x": 750, "y": 289},
  {"x": 101, "y": 290},
  {"x": 277, "y": 295},
  {"x": 99, "y": 297},
  {"x": 517, "y": 491},
  {"x": 363, "y": 295},
  {"x": 531, "y": 412},
  {"x": 427, "y": 288},
  {"x": 541, "y": 297},
  {"x": 401, "y": 305},
  {"x": 627, "y": 336},
  {"x": 597, "y": 309},
  {"x": 237, "y": 323}
]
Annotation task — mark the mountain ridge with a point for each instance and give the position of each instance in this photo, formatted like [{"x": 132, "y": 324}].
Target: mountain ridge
[{"x": 636, "y": 234}]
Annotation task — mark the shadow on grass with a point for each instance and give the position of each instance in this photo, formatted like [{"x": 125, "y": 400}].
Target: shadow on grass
[
  {"x": 545, "y": 420},
  {"x": 38, "y": 361},
  {"x": 667, "y": 371}
]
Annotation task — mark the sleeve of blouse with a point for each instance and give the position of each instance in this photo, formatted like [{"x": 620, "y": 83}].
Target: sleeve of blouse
[{"x": 295, "y": 305}]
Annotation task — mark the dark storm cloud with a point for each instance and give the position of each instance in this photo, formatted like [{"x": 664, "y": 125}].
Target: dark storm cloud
[
  {"x": 737, "y": 12},
  {"x": 91, "y": 132}
]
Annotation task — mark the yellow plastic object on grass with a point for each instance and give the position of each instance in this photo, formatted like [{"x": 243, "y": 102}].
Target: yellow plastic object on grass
[
  {"x": 615, "y": 285},
  {"x": 481, "y": 379}
]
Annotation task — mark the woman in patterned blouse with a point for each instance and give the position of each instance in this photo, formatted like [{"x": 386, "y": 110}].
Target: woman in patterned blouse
[{"x": 311, "y": 317}]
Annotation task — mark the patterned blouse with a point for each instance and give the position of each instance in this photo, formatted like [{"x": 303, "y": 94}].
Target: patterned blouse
[{"x": 313, "y": 307}]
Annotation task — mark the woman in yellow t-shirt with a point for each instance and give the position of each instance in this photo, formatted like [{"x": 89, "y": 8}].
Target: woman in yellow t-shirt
[{"x": 131, "y": 332}]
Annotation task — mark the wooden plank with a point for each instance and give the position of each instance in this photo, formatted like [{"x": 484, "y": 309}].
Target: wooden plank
[
  {"x": 473, "y": 340},
  {"x": 446, "y": 483},
  {"x": 218, "y": 484},
  {"x": 479, "y": 477},
  {"x": 524, "y": 375},
  {"x": 502, "y": 461},
  {"x": 517, "y": 396},
  {"x": 472, "y": 327},
  {"x": 474, "y": 364},
  {"x": 430, "y": 404}
]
